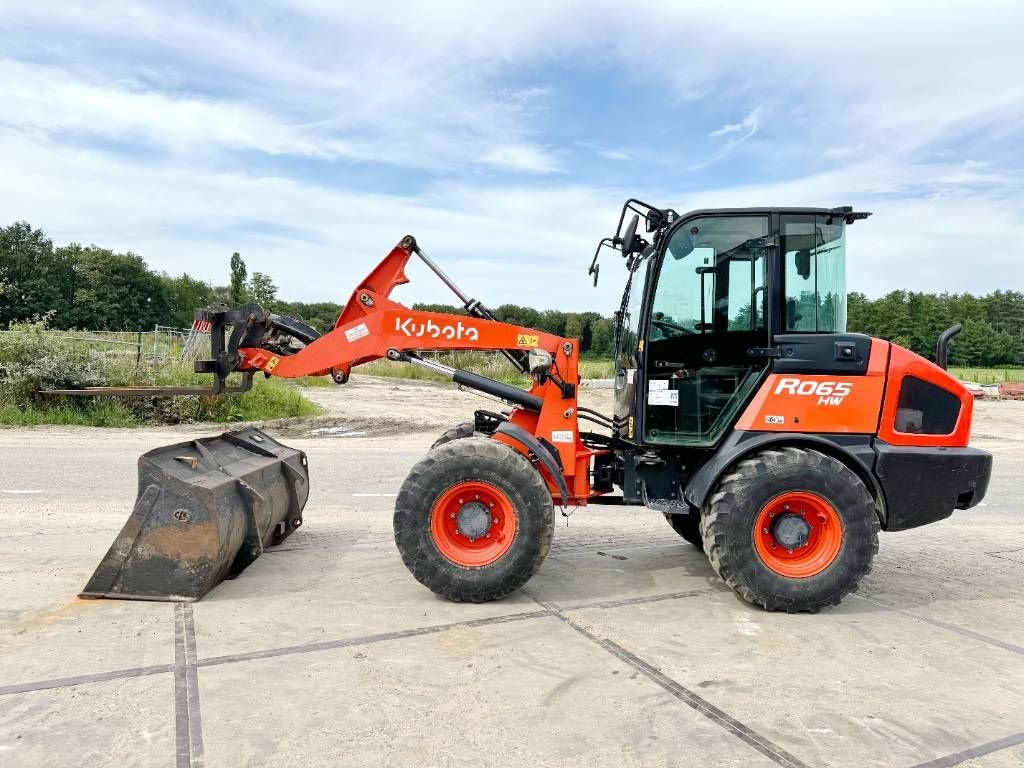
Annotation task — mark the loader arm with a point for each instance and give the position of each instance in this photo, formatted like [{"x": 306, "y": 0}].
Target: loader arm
[{"x": 372, "y": 326}]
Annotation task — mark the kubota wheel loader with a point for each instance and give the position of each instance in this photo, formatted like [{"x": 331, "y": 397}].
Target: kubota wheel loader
[{"x": 744, "y": 412}]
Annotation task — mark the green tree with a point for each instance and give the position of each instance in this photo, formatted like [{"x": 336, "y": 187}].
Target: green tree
[
  {"x": 115, "y": 291},
  {"x": 185, "y": 294},
  {"x": 261, "y": 289},
  {"x": 237, "y": 293},
  {"x": 35, "y": 280},
  {"x": 602, "y": 337},
  {"x": 574, "y": 327}
]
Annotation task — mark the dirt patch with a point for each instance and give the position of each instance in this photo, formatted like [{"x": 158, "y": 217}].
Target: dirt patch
[{"x": 378, "y": 406}]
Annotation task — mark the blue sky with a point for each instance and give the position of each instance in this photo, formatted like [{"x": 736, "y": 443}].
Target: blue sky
[{"x": 310, "y": 136}]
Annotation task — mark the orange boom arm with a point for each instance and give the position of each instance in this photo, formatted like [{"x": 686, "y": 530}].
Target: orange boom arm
[{"x": 373, "y": 326}]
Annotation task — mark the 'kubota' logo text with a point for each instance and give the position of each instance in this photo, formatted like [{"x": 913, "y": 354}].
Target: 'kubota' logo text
[
  {"x": 827, "y": 392},
  {"x": 434, "y": 331}
]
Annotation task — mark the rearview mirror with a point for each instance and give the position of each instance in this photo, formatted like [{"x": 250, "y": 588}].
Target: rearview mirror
[
  {"x": 803, "y": 264},
  {"x": 629, "y": 236}
]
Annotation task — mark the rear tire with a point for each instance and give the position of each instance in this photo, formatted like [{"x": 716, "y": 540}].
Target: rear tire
[
  {"x": 473, "y": 477},
  {"x": 466, "y": 429},
  {"x": 687, "y": 526},
  {"x": 741, "y": 523}
]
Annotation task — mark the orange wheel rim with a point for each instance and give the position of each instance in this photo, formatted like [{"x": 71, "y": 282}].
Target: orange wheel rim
[
  {"x": 473, "y": 524},
  {"x": 798, "y": 534}
]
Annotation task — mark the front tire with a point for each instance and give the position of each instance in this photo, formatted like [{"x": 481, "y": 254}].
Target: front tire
[
  {"x": 791, "y": 529},
  {"x": 473, "y": 520}
]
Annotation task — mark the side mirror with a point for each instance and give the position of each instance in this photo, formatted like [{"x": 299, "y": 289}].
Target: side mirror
[
  {"x": 803, "y": 264},
  {"x": 629, "y": 236}
]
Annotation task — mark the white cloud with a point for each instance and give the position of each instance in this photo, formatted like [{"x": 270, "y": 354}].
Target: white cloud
[
  {"x": 520, "y": 157},
  {"x": 742, "y": 130}
]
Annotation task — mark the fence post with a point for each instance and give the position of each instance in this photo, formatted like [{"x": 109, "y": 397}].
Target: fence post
[{"x": 138, "y": 351}]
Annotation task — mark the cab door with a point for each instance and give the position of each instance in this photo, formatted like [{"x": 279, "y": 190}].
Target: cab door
[{"x": 707, "y": 327}]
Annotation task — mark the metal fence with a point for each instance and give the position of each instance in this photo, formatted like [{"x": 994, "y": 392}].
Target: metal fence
[{"x": 164, "y": 344}]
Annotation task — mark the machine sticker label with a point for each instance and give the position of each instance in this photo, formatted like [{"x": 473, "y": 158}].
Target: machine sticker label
[
  {"x": 630, "y": 373},
  {"x": 663, "y": 397},
  {"x": 272, "y": 364},
  {"x": 658, "y": 384},
  {"x": 526, "y": 340},
  {"x": 357, "y": 332},
  {"x": 562, "y": 436},
  {"x": 827, "y": 392},
  {"x": 774, "y": 419},
  {"x": 431, "y": 329}
]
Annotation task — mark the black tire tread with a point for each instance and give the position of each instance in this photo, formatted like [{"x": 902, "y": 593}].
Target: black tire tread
[
  {"x": 469, "y": 457},
  {"x": 723, "y": 502},
  {"x": 458, "y": 432}
]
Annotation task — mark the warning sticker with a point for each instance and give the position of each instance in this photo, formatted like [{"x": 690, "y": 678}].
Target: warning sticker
[
  {"x": 526, "y": 340},
  {"x": 630, "y": 373},
  {"x": 357, "y": 332},
  {"x": 663, "y": 397},
  {"x": 561, "y": 436},
  {"x": 658, "y": 384},
  {"x": 774, "y": 419},
  {"x": 272, "y": 364}
]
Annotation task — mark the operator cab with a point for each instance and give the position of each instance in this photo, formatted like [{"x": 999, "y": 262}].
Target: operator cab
[{"x": 707, "y": 304}]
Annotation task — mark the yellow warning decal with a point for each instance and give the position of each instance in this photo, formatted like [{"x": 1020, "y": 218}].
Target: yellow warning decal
[
  {"x": 526, "y": 340},
  {"x": 629, "y": 432},
  {"x": 272, "y": 363},
  {"x": 640, "y": 346}
]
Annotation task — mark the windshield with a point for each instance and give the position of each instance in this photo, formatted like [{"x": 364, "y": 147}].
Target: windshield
[{"x": 712, "y": 278}]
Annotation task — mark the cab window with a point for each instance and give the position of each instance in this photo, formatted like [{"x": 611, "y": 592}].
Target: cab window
[{"x": 814, "y": 255}]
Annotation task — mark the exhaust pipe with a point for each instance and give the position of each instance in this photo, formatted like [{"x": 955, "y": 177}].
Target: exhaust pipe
[{"x": 205, "y": 510}]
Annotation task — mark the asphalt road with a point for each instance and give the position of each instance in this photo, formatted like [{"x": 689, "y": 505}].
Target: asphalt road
[{"x": 625, "y": 649}]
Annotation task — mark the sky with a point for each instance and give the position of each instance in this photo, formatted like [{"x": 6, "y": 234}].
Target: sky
[{"x": 311, "y": 136}]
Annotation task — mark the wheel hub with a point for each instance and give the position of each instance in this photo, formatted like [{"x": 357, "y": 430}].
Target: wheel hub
[
  {"x": 798, "y": 534},
  {"x": 791, "y": 531},
  {"x": 473, "y": 520},
  {"x": 473, "y": 523}
]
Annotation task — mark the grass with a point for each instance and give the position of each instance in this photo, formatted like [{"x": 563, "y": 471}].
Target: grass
[
  {"x": 989, "y": 375},
  {"x": 95, "y": 413},
  {"x": 32, "y": 358},
  {"x": 267, "y": 400}
]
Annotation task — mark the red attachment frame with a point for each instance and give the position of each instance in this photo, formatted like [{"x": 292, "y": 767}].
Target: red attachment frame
[{"x": 371, "y": 325}]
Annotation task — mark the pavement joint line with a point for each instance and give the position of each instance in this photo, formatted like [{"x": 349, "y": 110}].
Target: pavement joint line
[
  {"x": 626, "y": 601},
  {"x": 969, "y": 754},
  {"x": 101, "y": 677},
  {"x": 401, "y": 634},
  {"x": 743, "y": 732},
  {"x": 966, "y": 632},
  {"x": 188, "y": 725},
  {"x": 98, "y": 677}
]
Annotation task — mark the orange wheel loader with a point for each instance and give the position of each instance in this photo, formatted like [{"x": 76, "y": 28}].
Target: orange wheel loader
[{"x": 744, "y": 413}]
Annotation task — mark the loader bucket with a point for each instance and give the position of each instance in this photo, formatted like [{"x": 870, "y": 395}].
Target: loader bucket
[{"x": 206, "y": 509}]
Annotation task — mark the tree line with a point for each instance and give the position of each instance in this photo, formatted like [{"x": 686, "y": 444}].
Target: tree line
[{"x": 89, "y": 287}]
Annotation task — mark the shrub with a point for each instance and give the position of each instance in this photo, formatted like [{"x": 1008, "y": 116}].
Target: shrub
[{"x": 34, "y": 358}]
